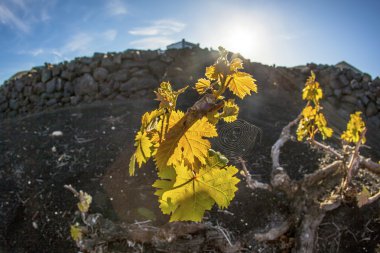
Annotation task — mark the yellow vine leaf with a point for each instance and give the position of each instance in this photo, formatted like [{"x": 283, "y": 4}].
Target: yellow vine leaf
[
  {"x": 321, "y": 123},
  {"x": 167, "y": 96},
  {"x": 132, "y": 165},
  {"x": 211, "y": 73},
  {"x": 236, "y": 64},
  {"x": 150, "y": 119},
  {"x": 363, "y": 196},
  {"x": 312, "y": 121},
  {"x": 241, "y": 84},
  {"x": 230, "y": 111},
  {"x": 202, "y": 85},
  {"x": 185, "y": 144},
  {"x": 76, "y": 232},
  {"x": 312, "y": 91},
  {"x": 302, "y": 130},
  {"x": 355, "y": 127},
  {"x": 143, "y": 148},
  {"x": 85, "y": 200},
  {"x": 192, "y": 193}
]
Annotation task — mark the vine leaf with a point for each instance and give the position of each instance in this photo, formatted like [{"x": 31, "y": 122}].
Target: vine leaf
[
  {"x": 312, "y": 91},
  {"x": 321, "y": 122},
  {"x": 132, "y": 165},
  {"x": 143, "y": 148},
  {"x": 202, "y": 85},
  {"x": 355, "y": 127},
  {"x": 211, "y": 73},
  {"x": 241, "y": 84},
  {"x": 230, "y": 111},
  {"x": 185, "y": 144},
  {"x": 85, "y": 200},
  {"x": 190, "y": 194},
  {"x": 149, "y": 120},
  {"x": 167, "y": 96},
  {"x": 76, "y": 232},
  {"x": 236, "y": 64},
  {"x": 363, "y": 196}
]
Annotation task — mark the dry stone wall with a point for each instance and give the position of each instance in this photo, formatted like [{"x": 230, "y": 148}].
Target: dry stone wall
[
  {"x": 111, "y": 76},
  {"x": 135, "y": 73}
]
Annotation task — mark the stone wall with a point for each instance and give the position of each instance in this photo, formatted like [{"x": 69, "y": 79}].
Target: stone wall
[
  {"x": 111, "y": 76},
  {"x": 135, "y": 73}
]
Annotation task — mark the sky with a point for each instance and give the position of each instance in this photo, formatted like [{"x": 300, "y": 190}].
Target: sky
[{"x": 280, "y": 32}]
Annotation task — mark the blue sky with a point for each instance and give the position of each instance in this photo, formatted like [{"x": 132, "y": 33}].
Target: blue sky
[{"x": 281, "y": 32}]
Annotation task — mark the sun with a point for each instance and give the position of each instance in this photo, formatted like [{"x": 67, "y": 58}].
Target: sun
[{"x": 241, "y": 39}]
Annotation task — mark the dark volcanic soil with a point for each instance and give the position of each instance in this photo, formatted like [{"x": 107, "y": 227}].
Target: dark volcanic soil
[{"x": 93, "y": 155}]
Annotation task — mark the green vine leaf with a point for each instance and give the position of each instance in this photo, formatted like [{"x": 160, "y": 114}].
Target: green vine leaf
[{"x": 191, "y": 193}]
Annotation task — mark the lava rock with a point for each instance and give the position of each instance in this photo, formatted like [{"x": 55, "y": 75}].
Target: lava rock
[
  {"x": 50, "y": 86},
  {"x": 349, "y": 99},
  {"x": 85, "y": 85},
  {"x": 14, "y": 104},
  {"x": 371, "y": 110},
  {"x": 46, "y": 75},
  {"x": 100, "y": 74}
]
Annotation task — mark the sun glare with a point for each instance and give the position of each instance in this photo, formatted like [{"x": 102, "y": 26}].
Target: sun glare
[{"x": 241, "y": 40}]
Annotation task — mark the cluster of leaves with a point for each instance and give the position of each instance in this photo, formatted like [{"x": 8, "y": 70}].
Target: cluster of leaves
[
  {"x": 85, "y": 199},
  {"x": 312, "y": 119},
  {"x": 355, "y": 128},
  {"x": 192, "y": 176}
]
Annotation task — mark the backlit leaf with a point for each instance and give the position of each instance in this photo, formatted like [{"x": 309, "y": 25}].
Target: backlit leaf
[
  {"x": 85, "y": 200},
  {"x": 241, "y": 84},
  {"x": 202, "y": 85},
  {"x": 321, "y": 122},
  {"x": 192, "y": 193},
  {"x": 132, "y": 165},
  {"x": 149, "y": 120},
  {"x": 230, "y": 111},
  {"x": 167, "y": 96},
  {"x": 363, "y": 196},
  {"x": 236, "y": 64},
  {"x": 76, "y": 232},
  {"x": 211, "y": 73},
  {"x": 312, "y": 91},
  {"x": 185, "y": 144},
  {"x": 355, "y": 127},
  {"x": 143, "y": 148}
]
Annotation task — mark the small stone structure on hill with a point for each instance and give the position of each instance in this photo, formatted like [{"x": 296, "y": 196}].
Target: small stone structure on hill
[{"x": 182, "y": 44}]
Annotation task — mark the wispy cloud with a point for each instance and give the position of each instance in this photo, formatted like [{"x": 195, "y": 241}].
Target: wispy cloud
[
  {"x": 110, "y": 35},
  {"x": 151, "y": 42},
  {"x": 7, "y": 17},
  {"x": 33, "y": 52},
  {"x": 78, "y": 43},
  {"x": 116, "y": 8},
  {"x": 159, "y": 27}
]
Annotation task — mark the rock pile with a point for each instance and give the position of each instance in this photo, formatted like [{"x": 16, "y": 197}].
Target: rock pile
[{"x": 134, "y": 73}]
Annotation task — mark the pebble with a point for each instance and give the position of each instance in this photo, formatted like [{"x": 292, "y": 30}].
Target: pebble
[{"x": 56, "y": 134}]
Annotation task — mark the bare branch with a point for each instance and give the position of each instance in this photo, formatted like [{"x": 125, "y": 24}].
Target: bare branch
[
  {"x": 327, "y": 148},
  {"x": 279, "y": 178},
  {"x": 273, "y": 233},
  {"x": 372, "y": 199},
  {"x": 252, "y": 183},
  {"x": 317, "y": 176},
  {"x": 284, "y": 137},
  {"x": 332, "y": 203},
  {"x": 353, "y": 165},
  {"x": 370, "y": 165},
  {"x": 72, "y": 189}
]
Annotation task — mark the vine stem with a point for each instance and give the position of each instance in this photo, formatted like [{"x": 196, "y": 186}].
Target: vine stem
[
  {"x": 326, "y": 148},
  {"x": 353, "y": 165}
]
